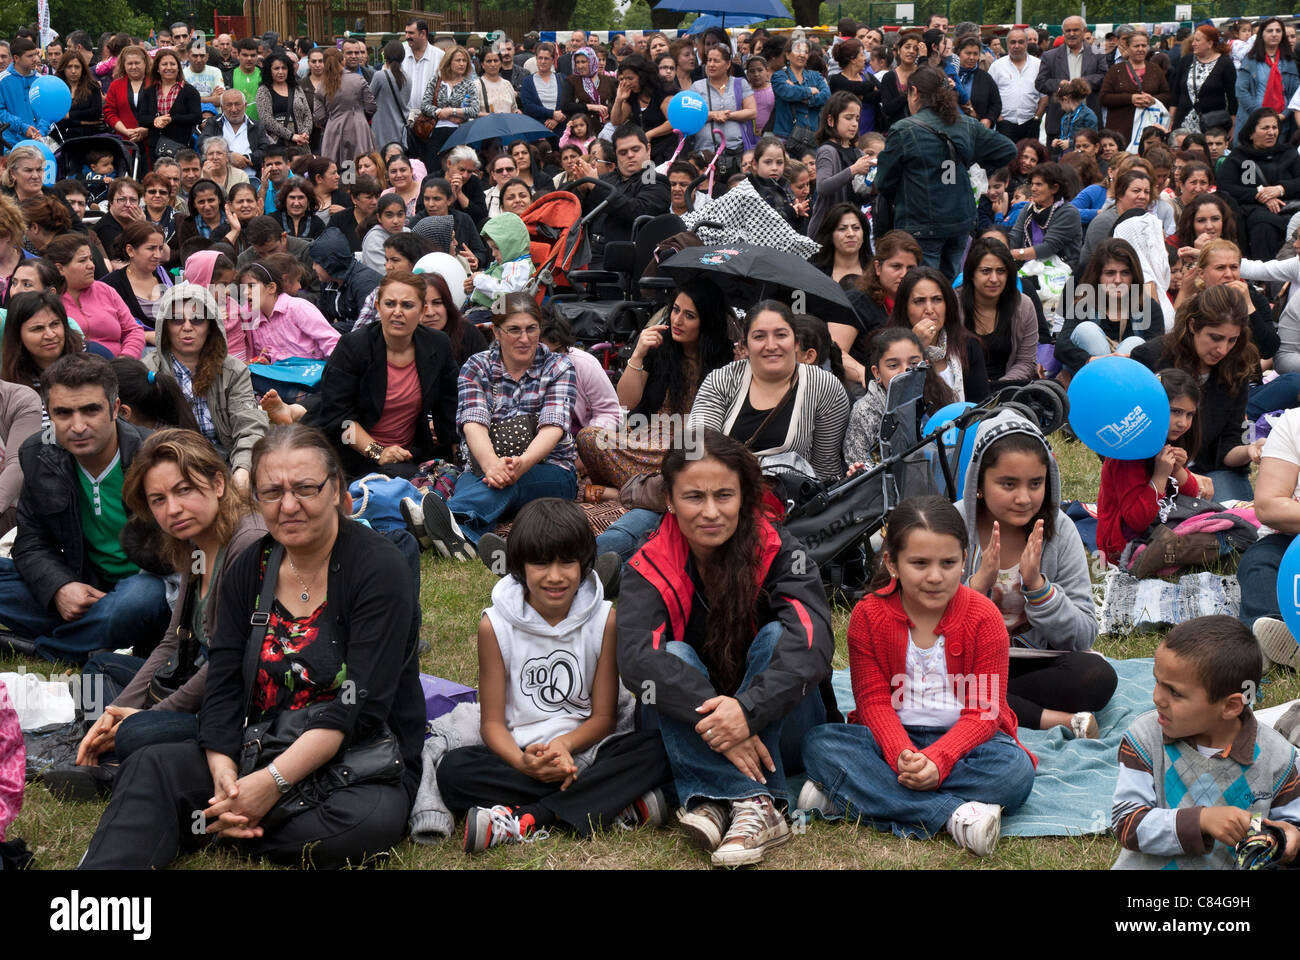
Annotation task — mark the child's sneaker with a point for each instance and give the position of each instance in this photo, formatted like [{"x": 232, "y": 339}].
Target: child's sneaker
[
  {"x": 1276, "y": 642},
  {"x": 649, "y": 810},
  {"x": 976, "y": 826},
  {"x": 1084, "y": 726},
  {"x": 443, "y": 531},
  {"x": 705, "y": 824},
  {"x": 413, "y": 517},
  {"x": 813, "y": 799},
  {"x": 756, "y": 827},
  {"x": 488, "y": 826}
]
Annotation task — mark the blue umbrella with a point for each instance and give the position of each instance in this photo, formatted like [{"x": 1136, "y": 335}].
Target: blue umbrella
[
  {"x": 703, "y": 22},
  {"x": 498, "y": 126},
  {"x": 732, "y": 10}
]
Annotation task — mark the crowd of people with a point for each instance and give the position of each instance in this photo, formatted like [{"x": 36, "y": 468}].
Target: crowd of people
[{"x": 999, "y": 207}]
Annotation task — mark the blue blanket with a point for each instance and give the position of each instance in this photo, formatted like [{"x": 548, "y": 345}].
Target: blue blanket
[{"x": 1075, "y": 778}]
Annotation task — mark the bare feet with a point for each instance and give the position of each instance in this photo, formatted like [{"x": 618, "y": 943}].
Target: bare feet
[{"x": 280, "y": 412}]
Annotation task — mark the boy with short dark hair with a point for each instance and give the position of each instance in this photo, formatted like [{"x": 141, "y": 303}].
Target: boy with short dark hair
[
  {"x": 1196, "y": 770},
  {"x": 101, "y": 169}
]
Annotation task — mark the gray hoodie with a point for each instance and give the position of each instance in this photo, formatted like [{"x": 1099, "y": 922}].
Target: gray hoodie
[{"x": 1066, "y": 620}]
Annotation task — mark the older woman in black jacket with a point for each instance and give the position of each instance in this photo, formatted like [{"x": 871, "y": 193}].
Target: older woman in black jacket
[
  {"x": 329, "y": 666},
  {"x": 1263, "y": 175},
  {"x": 388, "y": 395},
  {"x": 1205, "y": 88}
]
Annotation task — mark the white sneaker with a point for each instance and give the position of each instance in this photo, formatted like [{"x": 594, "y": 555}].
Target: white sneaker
[
  {"x": 756, "y": 827},
  {"x": 413, "y": 516},
  {"x": 812, "y": 797},
  {"x": 976, "y": 826},
  {"x": 1084, "y": 726},
  {"x": 1276, "y": 642}
]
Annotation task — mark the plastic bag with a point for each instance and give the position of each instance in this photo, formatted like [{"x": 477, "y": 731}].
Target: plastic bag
[
  {"x": 1053, "y": 276},
  {"x": 1155, "y": 115}
]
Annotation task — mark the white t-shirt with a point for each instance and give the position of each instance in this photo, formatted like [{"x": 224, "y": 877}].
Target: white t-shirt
[
  {"x": 926, "y": 697},
  {"x": 1283, "y": 442},
  {"x": 207, "y": 82}
]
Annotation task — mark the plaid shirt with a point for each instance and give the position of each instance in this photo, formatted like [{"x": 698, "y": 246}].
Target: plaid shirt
[
  {"x": 198, "y": 404},
  {"x": 488, "y": 395}
]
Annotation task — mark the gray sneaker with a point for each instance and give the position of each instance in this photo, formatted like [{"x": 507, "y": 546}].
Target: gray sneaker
[
  {"x": 1276, "y": 642},
  {"x": 413, "y": 516},
  {"x": 609, "y": 569},
  {"x": 705, "y": 824},
  {"x": 756, "y": 827},
  {"x": 491, "y": 550},
  {"x": 443, "y": 531}
]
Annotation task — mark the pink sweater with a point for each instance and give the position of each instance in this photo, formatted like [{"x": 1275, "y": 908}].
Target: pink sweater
[
  {"x": 104, "y": 318},
  {"x": 295, "y": 328},
  {"x": 597, "y": 403}
]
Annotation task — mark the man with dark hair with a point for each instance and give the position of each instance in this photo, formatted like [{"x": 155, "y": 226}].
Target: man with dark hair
[
  {"x": 420, "y": 64},
  {"x": 275, "y": 170},
  {"x": 191, "y": 168},
  {"x": 345, "y": 281},
  {"x": 81, "y": 41},
  {"x": 181, "y": 39},
  {"x": 15, "y": 84},
  {"x": 247, "y": 76},
  {"x": 70, "y": 588},
  {"x": 265, "y": 236},
  {"x": 635, "y": 189},
  {"x": 354, "y": 58}
]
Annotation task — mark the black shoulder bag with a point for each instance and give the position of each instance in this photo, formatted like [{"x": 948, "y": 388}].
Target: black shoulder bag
[
  {"x": 188, "y": 657},
  {"x": 379, "y": 760}
]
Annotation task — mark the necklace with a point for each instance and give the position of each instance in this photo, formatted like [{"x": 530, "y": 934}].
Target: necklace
[{"x": 305, "y": 596}]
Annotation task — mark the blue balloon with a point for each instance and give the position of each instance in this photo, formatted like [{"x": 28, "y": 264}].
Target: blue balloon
[
  {"x": 1119, "y": 409},
  {"x": 50, "y": 99},
  {"x": 50, "y": 173},
  {"x": 1288, "y": 587},
  {"x": 950, "y": 441},
  {"x": 688, "y": 113}
]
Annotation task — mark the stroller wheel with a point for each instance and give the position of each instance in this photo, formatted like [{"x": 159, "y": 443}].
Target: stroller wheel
[
  {"x": 1046, "y": 405},
  {"x": 1057, "y": 388},
  {"x": 1025, "y": 410}
]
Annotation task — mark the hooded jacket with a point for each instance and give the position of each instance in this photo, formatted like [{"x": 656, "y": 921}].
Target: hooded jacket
[
  {"x": 655, "y": 603},
  {"x": 541, "y": 705},
  {"x": 1065, "y": 619},
  {"x": 511, "y": 271},
  {"x": 355, "y": 280},
  {"x": 236, "y": 416}
]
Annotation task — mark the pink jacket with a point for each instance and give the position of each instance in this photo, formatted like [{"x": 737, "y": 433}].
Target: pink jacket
[
  {"x": 198, "y": 269},
  {"x": 105, "y": 319},
  {"x": 13, "y": 763},
  {"x": 295, "y": 328},
  {"x": 597, "y": 403}
]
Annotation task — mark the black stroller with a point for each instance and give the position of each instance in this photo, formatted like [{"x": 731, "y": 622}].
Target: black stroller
[
  {"x": 836, "y": 521},
  {"x": 70, "y": 156}
]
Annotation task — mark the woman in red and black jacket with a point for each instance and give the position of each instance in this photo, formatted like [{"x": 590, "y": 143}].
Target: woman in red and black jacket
[
  {"x": 724, "y": 632},
  {"x": 122, "y": 101}
]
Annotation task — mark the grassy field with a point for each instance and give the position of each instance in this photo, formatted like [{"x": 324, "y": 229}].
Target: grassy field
[{"x": 453, "y": 595}]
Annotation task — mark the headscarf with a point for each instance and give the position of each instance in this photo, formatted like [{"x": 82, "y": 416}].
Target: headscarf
[{"x": 591, "y": 82}]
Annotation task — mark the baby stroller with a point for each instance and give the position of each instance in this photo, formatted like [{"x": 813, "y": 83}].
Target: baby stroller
[
  {"x": 70, "y": 156},
  {"x": 558, "y": 241},
  {"x": 919, "y": 456}
]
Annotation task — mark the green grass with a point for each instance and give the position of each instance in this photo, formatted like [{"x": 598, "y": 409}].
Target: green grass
[{"x": 453, "y": 595}]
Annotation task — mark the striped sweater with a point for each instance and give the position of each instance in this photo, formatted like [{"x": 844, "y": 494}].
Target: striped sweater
[
  {"x": 1164, "y": 784},
  {"x": 817, "y": 419}
]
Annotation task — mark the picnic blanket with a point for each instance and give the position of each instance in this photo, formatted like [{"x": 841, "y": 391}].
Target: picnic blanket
[
  {"x": 1132, "y": 605},
  {"x": 1075, "y": 780}
]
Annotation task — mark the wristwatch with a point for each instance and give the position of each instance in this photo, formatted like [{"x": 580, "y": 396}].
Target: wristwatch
[
  {"x": 374, "y": 450},
  {"x": 282, "y": 784}
]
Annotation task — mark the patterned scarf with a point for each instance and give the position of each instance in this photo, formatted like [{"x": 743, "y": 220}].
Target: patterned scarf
[{"x": 591, "y": 82}]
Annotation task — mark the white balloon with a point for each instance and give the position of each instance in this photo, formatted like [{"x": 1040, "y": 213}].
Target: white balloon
[{"x": 450, "y": 269}]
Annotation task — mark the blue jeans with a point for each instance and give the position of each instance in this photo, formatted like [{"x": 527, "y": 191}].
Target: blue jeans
[
  {"x": 1257, "y": 574},
  {"x": 1088, "y": 336},
  {"x": 133, "y": 612},
  {"x": 1230, "y": 485},
  {"x": 702, "y": 774},
  {"x": 1280, "y": 393},
  {"x": 626, "y": 534},
  {"x": 945, "y": 253},
  {"x": 142, "y": 729},
  {"x": 477, "y": 507},
  {"x": 846, "y": 762}
]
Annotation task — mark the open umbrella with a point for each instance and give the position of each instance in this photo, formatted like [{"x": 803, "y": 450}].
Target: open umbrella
[
  {"x": 704, "y": 21},
  {"x": 747, "y": 274},
  {"x": 505, "y": 127},
  {"x": 731, "y": 10}
]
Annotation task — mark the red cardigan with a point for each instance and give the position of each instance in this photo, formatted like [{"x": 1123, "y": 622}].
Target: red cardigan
[
  {"x": 117, "y": 105},
  {"x": 1127, "y": 504},
  {"x": 976, "y": 645}
]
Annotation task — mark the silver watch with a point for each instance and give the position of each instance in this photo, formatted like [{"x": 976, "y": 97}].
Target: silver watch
[{"x": 283, "y": 784}]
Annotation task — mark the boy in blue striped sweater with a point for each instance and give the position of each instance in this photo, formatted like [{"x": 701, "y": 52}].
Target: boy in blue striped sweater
[{"x": 1194, "y": 771}]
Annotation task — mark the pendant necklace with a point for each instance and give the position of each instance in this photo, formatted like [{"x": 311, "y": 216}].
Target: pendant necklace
[{"x": 305, "y": 596}]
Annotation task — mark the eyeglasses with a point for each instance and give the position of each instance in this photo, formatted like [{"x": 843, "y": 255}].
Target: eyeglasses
[
  {"x": 157, "y": 192},
  {"x": 510, "y": 169},
  {"x": 515, "y": 333},
  {"x": 181, "y": 321},
  {"x": 125, "y": 199},
  {"x": 299, "y": 491}
]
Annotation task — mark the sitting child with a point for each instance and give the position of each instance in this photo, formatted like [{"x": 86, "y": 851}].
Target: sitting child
[
  {"x": 894, "y": 350},
  {"x": 100, "y": 173},
  {"x": 1202, "y": 734},
  {"x": 548, "y": 692},
  {"x": 507, "y": 240}
]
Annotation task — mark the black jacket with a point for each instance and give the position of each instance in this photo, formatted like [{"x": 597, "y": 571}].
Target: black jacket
[
  {"x": 187, "y": 111},
  {"x": 376, "y": 624},
  {"x": 355, "y": 384},
  {"x": 49, "y": 550},
  {"x": 986, "y": 98},
  {"x": 1218, "y": 92},
  {"x": 1053, "y": 67},
  {"x": 1222, "y": 413},
  {"x": 342, "y": 300},
  {"x": 1246, "y": 169},
  {"x": 257, "y": 141},
  {"x": 632, "y": 197},
  {"x": 120, "y": 282}
]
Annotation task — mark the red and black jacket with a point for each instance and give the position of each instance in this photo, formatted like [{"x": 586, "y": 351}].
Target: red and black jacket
[{"x": 654, "y": 607}]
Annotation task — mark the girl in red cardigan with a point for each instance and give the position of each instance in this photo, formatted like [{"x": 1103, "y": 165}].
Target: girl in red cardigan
[
  {"x": 932, "y": 744},
  {"x": 1133, "y": 492}
]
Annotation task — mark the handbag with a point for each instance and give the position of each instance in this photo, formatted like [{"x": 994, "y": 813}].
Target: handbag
[
  {"x": 510, "y": 437},
  {"x": 185, "y": 660},
  {"x": 378, "y": 760},
  {"x": 167, "y": 147},
  {"x": 423, "y": 126}
]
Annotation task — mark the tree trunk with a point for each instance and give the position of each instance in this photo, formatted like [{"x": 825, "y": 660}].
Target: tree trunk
[
  {"x": 806, "y": 12},
  {"x": 548, "y": 13},
  {"x": 664, "y": 19}
]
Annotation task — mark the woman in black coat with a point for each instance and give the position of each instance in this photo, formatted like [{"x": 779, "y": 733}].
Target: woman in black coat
[
  {"x": 1262, "y": 175},
  {"x": 1205, "y": 85},
  {"x": 355, "y": 388},
  {"x": 178, "y": 122}
]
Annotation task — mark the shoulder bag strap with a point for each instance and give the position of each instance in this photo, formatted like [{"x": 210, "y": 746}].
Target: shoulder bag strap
[{"x": 258, "y": 622}]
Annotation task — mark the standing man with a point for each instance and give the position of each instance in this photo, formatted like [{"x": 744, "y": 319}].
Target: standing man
[
  {"x": 577, "y": 40},
  {"x": 247, "y": 76},
  {"x": 1015, "y": 74},
  {"x": 1070, "y": 61},
  {"x": 206, "y": 80},
  {"x": 181, "y": 39},
  {"x": 354, "y": 59},
  {"x": 421, "y": 64},
  {"x": 225, "y": 60},
  {"x": 15, "y": 109}
]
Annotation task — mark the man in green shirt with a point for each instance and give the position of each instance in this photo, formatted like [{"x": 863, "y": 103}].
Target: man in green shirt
[
  {"x": 248, "y": 75},
  {"x": 70, "y": 588}
]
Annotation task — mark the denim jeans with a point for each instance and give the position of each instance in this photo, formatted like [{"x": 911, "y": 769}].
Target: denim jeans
[
  {"x": 1257, "y": 574},
  {"x": 1230, "y": 485},
  {"x": 133, "y": 612},
  {"x": 1087, "y": 336},
  {"x": 140, "y": 729},
  {"x": 945, "y": 253},
  {"x": 846, "y": 762},
  {"x": 477, "y": 507},
  {"x": 626, "y": 534},
  {"x": 702, "y": 774},
  {"x": 1280, "y": 393}
]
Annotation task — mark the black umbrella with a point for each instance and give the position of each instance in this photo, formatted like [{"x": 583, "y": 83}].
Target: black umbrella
[{"x": 747, "y": 273}]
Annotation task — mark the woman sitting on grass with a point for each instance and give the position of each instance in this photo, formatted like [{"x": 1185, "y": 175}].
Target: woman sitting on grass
[{"x": 552, "y": 752}]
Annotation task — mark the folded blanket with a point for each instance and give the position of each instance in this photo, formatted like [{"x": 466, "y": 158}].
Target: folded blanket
[{"x": 1133, "y": 605}]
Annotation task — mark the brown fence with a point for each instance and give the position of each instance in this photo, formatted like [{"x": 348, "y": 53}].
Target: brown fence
[{"x": 322, "y": 19}]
